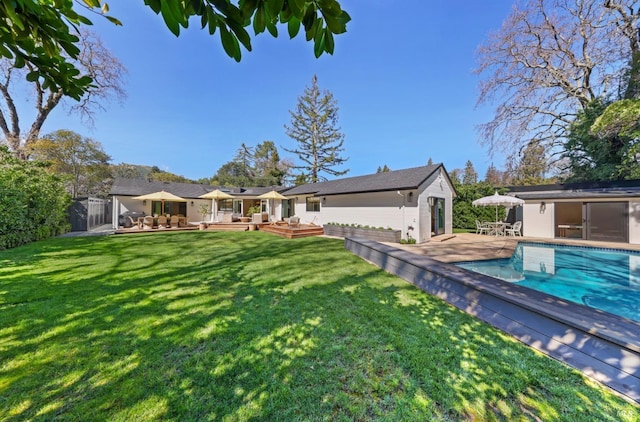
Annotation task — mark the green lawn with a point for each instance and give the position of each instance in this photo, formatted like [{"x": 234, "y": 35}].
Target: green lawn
[{"x": 249, "y": 326}]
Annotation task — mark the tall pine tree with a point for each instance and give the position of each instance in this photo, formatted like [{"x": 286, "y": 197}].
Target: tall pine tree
[
  {"x": 314, "y": 127},
  {"x": 470, "y": 175}
]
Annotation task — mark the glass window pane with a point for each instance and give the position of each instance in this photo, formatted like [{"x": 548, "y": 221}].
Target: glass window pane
[
  {"x": 313, "y": 204},
  {"x": 568, "y": 217},
  {"x": 608, "y": 221}
]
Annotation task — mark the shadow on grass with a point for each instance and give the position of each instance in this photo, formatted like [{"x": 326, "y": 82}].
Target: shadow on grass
[{"x": 237, "y": 326}]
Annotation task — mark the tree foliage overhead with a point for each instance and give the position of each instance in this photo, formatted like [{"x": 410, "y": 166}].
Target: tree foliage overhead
[
  {"x": 93, "y": 59},
  {"x": 603, "y": 142},
  {"x": 45, "y": 33},
  {"x": 314, "y": 128},
  {"x": 550, "y": 59}
]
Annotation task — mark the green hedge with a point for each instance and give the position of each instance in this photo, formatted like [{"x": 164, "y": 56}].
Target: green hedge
[
  {"x": 33, "y": 202},
  {"x": 465, "y": 214}
]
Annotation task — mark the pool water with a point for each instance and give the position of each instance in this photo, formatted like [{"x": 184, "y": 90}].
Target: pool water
[{"x": 604, "y": 279}]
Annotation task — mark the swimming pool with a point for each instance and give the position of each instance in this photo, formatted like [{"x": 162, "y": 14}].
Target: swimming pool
[{"x": 604, "y": 279}]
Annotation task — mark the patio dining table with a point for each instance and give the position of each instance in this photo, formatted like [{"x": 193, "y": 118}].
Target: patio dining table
[{"x": 497, "y": 228}]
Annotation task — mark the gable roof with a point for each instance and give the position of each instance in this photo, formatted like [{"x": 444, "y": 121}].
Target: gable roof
[
  {"x": 410, "y": 178},
  {"x": 404, "y": 179}
]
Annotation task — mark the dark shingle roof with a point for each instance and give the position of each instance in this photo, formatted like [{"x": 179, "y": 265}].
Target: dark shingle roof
[
  {"x": 626, "y": 193},
  {"x": 410, "y": 178},
  {"x": 136, "y": 187},
  {"x": 613, "y": 189}
]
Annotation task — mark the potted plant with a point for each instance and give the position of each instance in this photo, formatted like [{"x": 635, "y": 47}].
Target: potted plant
[
  {"x": 253, "y": 210},
  {"x": 204, "y": 210}
]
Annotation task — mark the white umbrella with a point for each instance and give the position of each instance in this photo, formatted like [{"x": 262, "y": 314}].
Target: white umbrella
[
  {"x": 272, "y": 195},
  {"x": 160, "y": 196},
  {"x": 497, "y": 200},
  {"x": 214, "y": 195}
]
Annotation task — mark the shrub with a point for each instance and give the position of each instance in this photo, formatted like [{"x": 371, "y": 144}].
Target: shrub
[
  {"x": 358, "y": 226},
  {"x": 33, "y": 204}
]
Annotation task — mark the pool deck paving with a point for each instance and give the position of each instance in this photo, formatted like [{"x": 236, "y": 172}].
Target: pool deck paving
[{"x": 472, "y": 247}]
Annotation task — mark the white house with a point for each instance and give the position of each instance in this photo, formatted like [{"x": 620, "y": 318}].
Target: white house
[
  {"x": 416, "y": 201},
  {"x": 601, "y": 211}
]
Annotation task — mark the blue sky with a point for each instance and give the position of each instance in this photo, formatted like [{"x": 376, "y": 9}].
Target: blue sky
[{"x": 402, "y": 76}]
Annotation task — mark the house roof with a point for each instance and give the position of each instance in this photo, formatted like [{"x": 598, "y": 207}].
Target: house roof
[
  {"x": 616, "y": 189},
  {"x": 404, "y": 179},
  {"x": 136, "y": 187},
  {"x": 410, "y": 178}
]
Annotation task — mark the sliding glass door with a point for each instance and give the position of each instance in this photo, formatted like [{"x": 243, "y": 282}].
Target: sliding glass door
[
  {"x": 607, "y": 221},
  {"x": 604, "y": 221}
]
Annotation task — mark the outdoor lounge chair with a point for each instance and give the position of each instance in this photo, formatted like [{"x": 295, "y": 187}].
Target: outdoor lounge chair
[{"x": 514, "y": 230}]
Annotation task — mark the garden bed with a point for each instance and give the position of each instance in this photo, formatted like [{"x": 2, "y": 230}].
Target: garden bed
[{"x": 377, "y": 234}]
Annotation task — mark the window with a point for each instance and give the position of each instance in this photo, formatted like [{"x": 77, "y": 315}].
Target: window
[
  {"x": 225, "y": 205},
  {"x": 169, "y": 207},
  {"x": 313, "y": 204}
]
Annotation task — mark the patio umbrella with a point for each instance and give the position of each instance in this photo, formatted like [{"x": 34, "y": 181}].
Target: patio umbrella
[
  {"x": 272, "y": 195},
  {"x": 160, "y": 196},
  {"x": 214, "y": 195},
  {"x": 497, "y": 200}
]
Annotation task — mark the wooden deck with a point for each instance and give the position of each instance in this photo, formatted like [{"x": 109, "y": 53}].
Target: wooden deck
[
  {"x": 135, "y": 229},
  {"x": 303, "y": 230},
  {"x": 282, "y": 230}
]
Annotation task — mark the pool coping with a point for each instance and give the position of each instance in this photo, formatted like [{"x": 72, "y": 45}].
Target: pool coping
[{"x": 602, "y": 346}]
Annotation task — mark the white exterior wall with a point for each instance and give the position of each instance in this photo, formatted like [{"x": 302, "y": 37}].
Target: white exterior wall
[
  {"x": 436, "y": 186},
  {"x": 634, "y": 222},
  {"x": 384, "y": 209},
  {"x": 375, "y": 209},
  {"x": 541, "y": 223},
  {"x": 537, "y": 222},
  {"x": 123, "y": 204}
]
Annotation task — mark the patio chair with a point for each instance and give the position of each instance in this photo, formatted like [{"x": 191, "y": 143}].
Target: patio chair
[
  {"x": 482, "y": 228},
  {"x": 147, "y": 222},
  {"x": 174, "y": 222},
  {"x": 513, "y": 230},
  {"x": 294, "y": 222},
  {"x": 162, "y": 222}
]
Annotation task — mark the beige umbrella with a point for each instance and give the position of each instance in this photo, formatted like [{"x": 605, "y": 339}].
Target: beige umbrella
[
  {"x": 214, "y": 195},
  {"x": 160, "y": 196},
  {"x": 272, "y": 195}
]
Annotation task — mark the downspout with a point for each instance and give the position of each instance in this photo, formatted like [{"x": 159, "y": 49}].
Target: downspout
[{"x": 403, "y": 208}]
